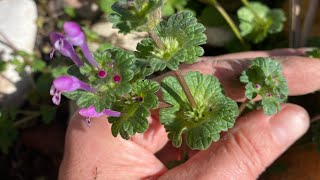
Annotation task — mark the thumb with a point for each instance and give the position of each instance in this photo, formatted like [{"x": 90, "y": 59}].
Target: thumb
[{"x": 251, "y": 146}]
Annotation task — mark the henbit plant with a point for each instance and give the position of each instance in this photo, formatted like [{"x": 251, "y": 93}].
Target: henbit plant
[
  {"x": 258, "y": 20},
  {"x": 114, "y": 82}
]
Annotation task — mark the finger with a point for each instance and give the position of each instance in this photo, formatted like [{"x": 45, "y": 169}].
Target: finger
[
  {"x": 155, "y": 138},
  {"x": 244, "y": 153},
  {"x": 93, "y": 153},
  {"x": 253, "y": 54},
  {"x": 228, "y": 72},
  {"x": 301, "y": 73}
]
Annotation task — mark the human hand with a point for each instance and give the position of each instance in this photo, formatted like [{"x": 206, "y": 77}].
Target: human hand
[{"x": 242, "y": 153}]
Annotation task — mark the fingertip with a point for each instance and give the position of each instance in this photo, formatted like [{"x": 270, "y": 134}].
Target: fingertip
[{"x": 290, "y": 124}]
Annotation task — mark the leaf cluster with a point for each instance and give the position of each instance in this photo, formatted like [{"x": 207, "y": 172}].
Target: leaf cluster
[
  {"x": 136, "y": 108},
  {"x": 115, "y": 62},
  {"x": 201, "y": 125},
  {"x": 258, "y": 20},
  {"x": 133, "y": 96},
  {"x": 134, "y": 15},
  {"x": 179, "y": 40},
  {"x": 264, "y": 78}
]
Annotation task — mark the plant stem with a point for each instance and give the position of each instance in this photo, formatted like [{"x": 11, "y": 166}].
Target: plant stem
[
  {"x": 315, "y": 119},
  {"x": 247, "y": 4},
  {"x": 18, "y": 124},
  {"x": 156, "y": 39},
  {"x": 185, "y": 88},
  {"x": 8, "y": 43},
  {"x": 162, "y": 105},
  {"x": 230, "y": 22},
  {"x": 243, "y": 106},
  {"x": 177, "y": 72}
]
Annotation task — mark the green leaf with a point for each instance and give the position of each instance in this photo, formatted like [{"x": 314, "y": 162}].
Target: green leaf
[
  {"x": 170, "y": 6},
  {"x": 70, "y": 11},
  {"x": 201, "y": 125},
  {"x": 19, "y": 65},
  {"x": 74, "y": 70},
  {"x": 58, "y": 71},
  {"x": 210, "y": 16},
  {"x": 104, "y": 46},
  {"x": 48, "y": 113},
  {"x": 38, "y": 65},
  {"x": 3, "y": 65},
  {"x": 8, "y": 133},
  {"x": 91, "y": 35},
  {"x": 105, "y": 6},
  {"x": 74, "y": 95},
  {"x": 142, "y": 69},
  {"x": 258, "y": 20},
  {"x": 181, "y": 38},
  {"x": 264, "y": 77},
  {"x": 135, "y": 110},
  {"x": 134, "y": 16},
  {"x": 43, "y": 84},
  {"x": 314, "y": 53}
]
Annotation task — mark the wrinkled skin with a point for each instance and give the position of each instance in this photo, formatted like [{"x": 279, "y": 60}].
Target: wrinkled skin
[{"x": 242, "y": 153}]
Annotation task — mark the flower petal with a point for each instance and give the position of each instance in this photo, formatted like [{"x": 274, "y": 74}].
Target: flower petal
[
  {"x": 66, "y": 83},
  {"x": 74, "y": 34},
  {"x": 112, "y": 113}
]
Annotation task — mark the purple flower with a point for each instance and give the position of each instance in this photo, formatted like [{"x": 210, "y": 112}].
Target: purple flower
[
  {"x": 64, "y": 47},
  {"x": 92, "y": 113},
  {"x": 67, "y": 84},
  {"x": 76, "y": 37}
]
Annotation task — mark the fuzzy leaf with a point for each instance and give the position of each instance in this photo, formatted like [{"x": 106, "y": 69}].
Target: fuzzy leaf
[
  {"x": 264, "y": 77},
  {"x": 142, "y": 70},
  {"x": 134, "y": 15},
  {"x": 181, "y": 37},
  {"x": 258, "y": 20},
  {"x": 202, "y": 125},
  {"x": 135, "y": 110}
]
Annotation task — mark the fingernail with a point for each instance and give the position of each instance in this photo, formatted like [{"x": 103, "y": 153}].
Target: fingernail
[{"x": 289, "y": 124}]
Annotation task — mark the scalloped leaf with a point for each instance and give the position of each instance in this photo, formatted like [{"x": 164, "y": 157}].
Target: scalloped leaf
[
  {"x": 134, "y": 15},
  {"x": 264, "y": 77},
  {"x": 135, "y": 110},
  {"x": 181, "y": 37},
  {"x": 201, "y": 125},
  {"x": 258, "y": 20}
]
